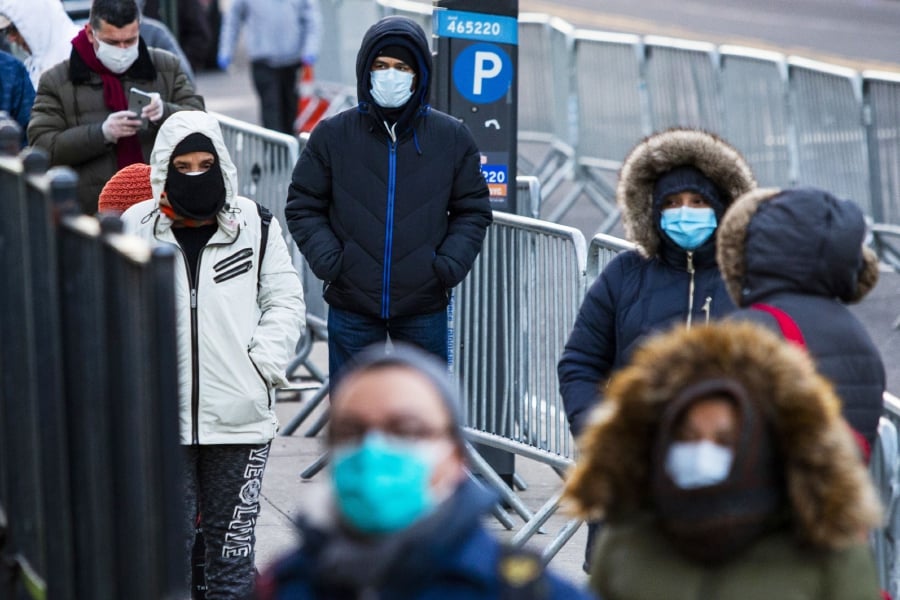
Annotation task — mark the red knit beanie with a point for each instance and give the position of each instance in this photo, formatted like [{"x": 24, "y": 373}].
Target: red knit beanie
[{"x": 128, "y": 186}]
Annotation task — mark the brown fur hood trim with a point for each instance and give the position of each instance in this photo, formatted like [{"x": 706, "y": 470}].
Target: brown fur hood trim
[
  {"x": 731, "y": 242},
  {"x": 662, "y": 152},
  {"x": 831, "y": 497}
]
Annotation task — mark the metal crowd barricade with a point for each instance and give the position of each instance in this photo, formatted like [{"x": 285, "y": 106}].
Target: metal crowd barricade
[
  {"x": 418, "y": 12},
  {"x": 90, "y": 480},
  {"x": 885, "y": 470},
  {"x": 513, "y": 314},
  {"x": 610, "y": 117},
  {"x": 545, "y": 97},
  {"x": 344, "y": 22},
  {"x": 827, "y": 114},
  {"x": 602, "y": 250},
  {"x": 754, "y": 94},
  {"x": 682, "y": 83},
  {"x": 881, "y": 93}
]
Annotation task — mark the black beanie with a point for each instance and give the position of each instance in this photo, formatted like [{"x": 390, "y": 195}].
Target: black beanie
[
  {"x": 687, "y": 179},
  {"x": 195, "y": 142},
  {"x": 400, "y": 52}
]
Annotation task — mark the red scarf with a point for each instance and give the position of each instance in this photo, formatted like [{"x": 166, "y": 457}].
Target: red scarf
[
  {"x": 128, "y": 149},
  {"x": 170, "y": 212}
]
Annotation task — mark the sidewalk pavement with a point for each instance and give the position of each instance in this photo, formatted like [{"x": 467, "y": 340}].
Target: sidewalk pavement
[{"x": 285, "y": 494}]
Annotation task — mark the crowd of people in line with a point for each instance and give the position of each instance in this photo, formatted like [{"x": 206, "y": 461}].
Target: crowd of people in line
[{"x": 724, "y": 397}]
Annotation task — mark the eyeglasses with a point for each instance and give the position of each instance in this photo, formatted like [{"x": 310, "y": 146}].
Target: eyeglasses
[{"x": 351, "y": 431}]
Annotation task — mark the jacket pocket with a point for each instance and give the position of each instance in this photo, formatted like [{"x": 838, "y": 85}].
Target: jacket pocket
[
  {"x": 262, "y": 379},
  {"x": 230, "y": 260}
]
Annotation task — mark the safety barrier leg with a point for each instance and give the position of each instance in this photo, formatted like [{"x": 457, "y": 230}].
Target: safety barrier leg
[
  {"x": 320, "y": 424},
  {"x": 307, "y": 409},
  {"x": 481, "y": 467},
  {"x": 315, "y": 466},
  {"x": 561, "y": 539}
]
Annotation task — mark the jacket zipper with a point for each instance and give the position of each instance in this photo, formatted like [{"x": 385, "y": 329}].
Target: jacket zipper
[
  {"x": 389, "y": 225},
  {"x": 232, "y": 273},
  {"x": 230, "y": 260},
  {"x": 195, "y": 347},
  {"x": 690, "y": 269},
  {"x": 707, "y": 308}
]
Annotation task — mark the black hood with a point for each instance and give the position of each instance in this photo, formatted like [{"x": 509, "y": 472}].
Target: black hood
[
  {"x": 799, "y": 240},
  {"x": 387, "y": 32}
]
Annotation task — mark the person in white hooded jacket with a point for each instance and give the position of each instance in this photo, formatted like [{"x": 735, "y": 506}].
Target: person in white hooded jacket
[
  {"x": 43, "y": 33},
  {"x": 240, "y": 313}
]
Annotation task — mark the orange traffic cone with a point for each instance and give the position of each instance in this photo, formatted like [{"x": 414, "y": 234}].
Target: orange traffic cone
[{"x": 311, "y": 107}]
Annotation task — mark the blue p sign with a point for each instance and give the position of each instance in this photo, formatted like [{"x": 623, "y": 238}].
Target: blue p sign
[{"x": 482, "y": 73}]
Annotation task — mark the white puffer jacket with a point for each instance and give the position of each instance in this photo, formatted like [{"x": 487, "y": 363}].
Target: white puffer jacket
[{"x": 234, "y": 339}]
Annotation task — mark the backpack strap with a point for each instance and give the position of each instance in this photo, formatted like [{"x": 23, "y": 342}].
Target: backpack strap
[
  {"x": 265, "y": 218},
  {"x": 522, "y": 575},
  {"x": 791, "y": 332},
  {"x": 789, "y": 328}
]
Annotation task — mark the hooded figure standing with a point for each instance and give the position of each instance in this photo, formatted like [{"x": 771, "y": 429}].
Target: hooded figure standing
[
  {"x": 388, "y": 203},
  {"x": 240, "y": 314},
  {"x": 801, "y": 253},
  {"x": 723, "y": 469},
  {"x": 674, "y": 188}
]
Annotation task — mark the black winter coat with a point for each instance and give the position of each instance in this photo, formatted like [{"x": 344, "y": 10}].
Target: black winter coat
[
  {"x": 632, "y": 298},
  {"x": 802, "y": 251},
  {"x": 390, "y": 225}
]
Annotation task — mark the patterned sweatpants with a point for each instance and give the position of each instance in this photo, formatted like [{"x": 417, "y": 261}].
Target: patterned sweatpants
[{"x": 222, "y": 484}]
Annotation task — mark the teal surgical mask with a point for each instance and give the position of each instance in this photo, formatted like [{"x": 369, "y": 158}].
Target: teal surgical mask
[
  {"x": 688, "y": 227},
  {"x": 383, "y": 483},
  {"x": 391, "y": 88}
]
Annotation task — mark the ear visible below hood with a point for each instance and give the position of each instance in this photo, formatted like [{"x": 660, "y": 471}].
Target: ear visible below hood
[{"x": 660, "y": 153}]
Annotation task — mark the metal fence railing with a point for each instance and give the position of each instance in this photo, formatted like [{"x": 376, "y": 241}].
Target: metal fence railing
[
  {"x": 90, "y": 478},
  {"x": 513, "y": 314}
]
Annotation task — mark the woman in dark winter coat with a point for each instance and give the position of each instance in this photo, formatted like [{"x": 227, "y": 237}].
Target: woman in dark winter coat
[
  {"x": 673, "y": 188},
  {"x": 800, "y": 253},
  {"x": 723, "y": 469}
]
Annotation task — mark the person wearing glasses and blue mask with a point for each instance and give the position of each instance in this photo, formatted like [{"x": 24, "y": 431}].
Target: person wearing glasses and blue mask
[
  {"x": 674, "y": 188},
  {"x": 401, "y": 518},
  {"x": 388, "y": 203}
]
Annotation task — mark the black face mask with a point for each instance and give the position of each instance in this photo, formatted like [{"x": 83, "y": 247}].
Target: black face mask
[{"x": 198, "y": 197}]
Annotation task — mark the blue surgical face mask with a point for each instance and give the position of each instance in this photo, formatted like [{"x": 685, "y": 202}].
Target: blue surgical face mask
[
  {"x": 688, "y": 227},
  {"x": 391, "y": 88},
  {"x": 383, "y": 484},
  {"x": 698, "y": 464}
]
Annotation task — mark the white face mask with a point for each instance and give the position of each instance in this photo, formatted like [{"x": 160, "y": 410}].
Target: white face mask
[
  {"x": 391, "y": 88},
  {"x": 698, "y": 464},
  {"x": 116, "y": 59}
]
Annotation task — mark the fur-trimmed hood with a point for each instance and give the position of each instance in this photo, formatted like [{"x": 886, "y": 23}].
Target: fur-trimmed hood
[
  {"x": 660, "y": 153},
  {"x": 800, "y": 240},
  {"x": 830, "y": 497}
]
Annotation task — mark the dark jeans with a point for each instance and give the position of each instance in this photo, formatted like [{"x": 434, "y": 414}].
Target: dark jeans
[
  {"x": 349, "y": 333},
  {"x": 277, "y": 91}
]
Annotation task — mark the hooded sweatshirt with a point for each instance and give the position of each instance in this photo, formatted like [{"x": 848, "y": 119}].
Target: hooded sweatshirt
[
  {"x": 389, "y": 210},
  {"x": 657, "y": 285},
  {"x": 801, "y": 251},
  {"x": 47, "y": 30}
]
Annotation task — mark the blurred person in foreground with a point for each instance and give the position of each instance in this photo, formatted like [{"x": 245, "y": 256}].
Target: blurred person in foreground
[
  {"x": 401, "y": 519},
  {"x": 794, "y": 259},
  {"x": 16, "y": 92},
  {"x": 723, "y": 469},
  {"x": 80, "y": 114}
]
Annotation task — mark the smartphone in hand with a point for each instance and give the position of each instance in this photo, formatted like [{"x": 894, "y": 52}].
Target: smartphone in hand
[{"x": 137, "y": 100}]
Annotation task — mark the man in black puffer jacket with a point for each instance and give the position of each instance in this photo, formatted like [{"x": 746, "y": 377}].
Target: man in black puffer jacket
[{"x": 388, "y": 203}]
